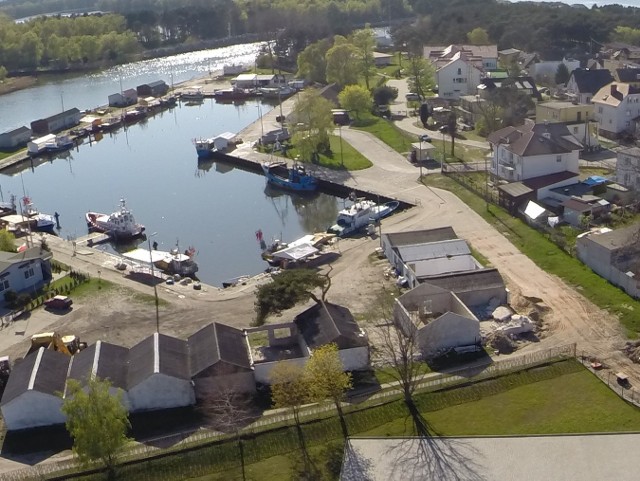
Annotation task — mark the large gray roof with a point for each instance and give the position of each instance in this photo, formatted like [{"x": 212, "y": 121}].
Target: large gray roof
[
  {"x": 42, "y": 371},
  {"x": 326, "y": 323},
  {"x": 433, "y": 250},
  {"x": 468, "y": 281},
  {"x": 397, "y": 239},
  {"x": 105, "y": 360},
  {"x": 617, "y": 238},
  {"x": 217, "y": 342},
  {"x": 539, "y": 139},
  {"x": 158, "y": 353}
]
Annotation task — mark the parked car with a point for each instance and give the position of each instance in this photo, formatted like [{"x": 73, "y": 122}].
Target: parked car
[
  {"x": 58, "y": 303},
  {"x": 424, "y": 138},
  {"x": 411, "y": 96}
]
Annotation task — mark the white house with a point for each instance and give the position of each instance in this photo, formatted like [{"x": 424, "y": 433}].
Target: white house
[
  {"x": 533, "y": 150},
  {"x": 219, "y": 360},
  {"x": 158, "y": 374},
  {"x": 25, "y": 271},
  {"x": 31, "y": 398},
  {"x": 584, "y": 83},
  {"x": 12, "y": 139},
  {"x": 123, "y": 99},
  {"x": 628, "y": 167},
  {"x": 617, "y": 108},
  {"x": 459, "y": 68},
  {"x": 439, "y": 319},
  {"x": 252, "y": 81}
]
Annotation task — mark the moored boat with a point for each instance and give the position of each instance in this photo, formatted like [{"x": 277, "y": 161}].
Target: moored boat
[
  {"x": 230, "y": 94},
  {"x": 110, "y": 124},
  {"x": 58, "y": 144},
  {"x": 205, "y": 148},
  {"x": 43, "y": 222},
  {"x": 357, "y": 216},
  {"x": 292, "y": 178},
  {"x": 277, "y": 92},
  {"x": 277, "y": 251},
  {"x": 192, "y": 93},
  {"x": 119, "y": 225},
  {"x": 170, "y": 262}
]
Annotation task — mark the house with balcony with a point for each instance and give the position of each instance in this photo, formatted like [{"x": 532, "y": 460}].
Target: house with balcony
[
  {"x": 584, "y": 83},
  {"x": 578, "y": 118},
  {"x": 532, "y": 151},
  {"x": 459, "y": 68},
  {"x": 617, "y": 109}
]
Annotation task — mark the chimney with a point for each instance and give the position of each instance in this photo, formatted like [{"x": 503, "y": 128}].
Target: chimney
[{"x": 614, "y": 89}]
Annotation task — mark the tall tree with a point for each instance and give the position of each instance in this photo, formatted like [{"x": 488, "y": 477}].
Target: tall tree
[
  {"x": 365, "y": 41},
  {"x": 478, "y": 36},
  {"x": 312, "y": 124},
  {"x": 97, "y": 421},
  {"x": 562, "y": 74},
  {"x": 343, "y": 66},
  {"x": 355, "y": 98},
  {"x": 312, "y": 62},
  {"x": 452, "y": 129},
  {"x": 290, "y": 390},
  {"x": 327, "y": 379},
  {"x": 421, "y": 74}
]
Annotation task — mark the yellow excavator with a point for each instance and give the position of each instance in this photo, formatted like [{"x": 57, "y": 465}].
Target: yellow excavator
[{"x": 52, "y": 340}]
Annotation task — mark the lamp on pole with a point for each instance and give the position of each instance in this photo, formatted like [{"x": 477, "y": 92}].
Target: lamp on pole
[
  {"x": 153, "y": 280},
  {"x": 261, "y": 124},
  {"x": 341, "y": 157}
]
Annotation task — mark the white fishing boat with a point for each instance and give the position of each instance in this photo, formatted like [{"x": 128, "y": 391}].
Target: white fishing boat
[
  {"x": 44, "y": 222},
  {"x": 358, "y": 215},
  {"x": 170, "y": 262},
  {"x": 119, "y": 225}
]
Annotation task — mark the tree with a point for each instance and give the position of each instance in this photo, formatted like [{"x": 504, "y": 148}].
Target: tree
[
  {"x": 384, "y": 94},
  {"x": 626, "y": 35},
  {"x": 421, "y": 74},
  {"x": 355, "y": 98},
  {"x": 312, "y": 123},
  {"x": 478, "y": 36},
  {"x": 327, "y": 379},
  {"x": 7, "y": 241},
  {"x": 288, "y": 289},
  {"x": 365, "y": 41},
  {"x": 312, "y": 62},
  {"x": 3, "y": 73},
  {"x": 97, "y": 421},
  {"x": 343, "y": 66},
  {"x": 452, "y": 128},
  {"x": 424, "y": 114},
  {"x": 562, "y": 74},
  {"x": 290, "y": 390}
]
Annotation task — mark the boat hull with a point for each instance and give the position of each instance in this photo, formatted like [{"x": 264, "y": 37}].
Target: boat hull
[
  {"x": 289, "y": 178},
  {"x": 95, "y": 225}
]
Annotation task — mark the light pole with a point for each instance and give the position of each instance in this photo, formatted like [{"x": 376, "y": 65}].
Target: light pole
[
  {"x": 341, "y": 157},
  {"x": 261, "y": 124},
  {"x": 153, "y": 280}
]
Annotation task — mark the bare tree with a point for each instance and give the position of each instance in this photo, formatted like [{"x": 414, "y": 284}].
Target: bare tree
[{"x": 228, "y": 411}]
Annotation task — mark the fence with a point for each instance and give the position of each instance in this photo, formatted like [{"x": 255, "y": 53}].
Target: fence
[
  {"x": 607, "y": 376},
  {"x": 204, "y": 439},
  {"x": 461, "y": 173}
]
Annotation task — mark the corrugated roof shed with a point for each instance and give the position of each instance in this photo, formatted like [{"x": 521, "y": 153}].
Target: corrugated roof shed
[
  {"x": 102, "y": 359},
  {"x": 217, "y": 342},
  {"x": 443, "y": 265},
  {"x": 43, "y": 371},
  {"x": 157, "y": 354},
  {"x": 433, "y": 250},
  {"x": 325, "y": 323},
  {"x": 397, "y": 239},
  {"x": 468, "y": 281}
]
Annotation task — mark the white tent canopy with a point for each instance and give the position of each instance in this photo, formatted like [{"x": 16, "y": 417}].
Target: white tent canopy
[{"x": 295, "y": 253}]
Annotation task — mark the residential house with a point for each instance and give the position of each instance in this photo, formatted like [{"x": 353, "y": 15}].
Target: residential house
[
  {"x": 508, "y": 56},
  {"x": 64, "y": 120},
  {"x": 471, "y": 108},
  {"x": 158, "y": 374},
  {"x": 438, "y": 318},
  {"x": 628, "y": 167},
  {"x": 583, "y": 84},
  {"x": 629, "y": 76},
  {"x": 326, "y": 323},
  {"x": 219, "y": 361},
  {"x": 32, "y": 394},
  {"x": 578, "y": 210},
  {"x": 459, "y": 68},
  {"x": 104, "y": 361},
  {"x": 152, "y": 89},
  {"x": 541, "y": 69},
  {"x": 417, "y": 256},
  {"x": 614, "y": 255},
  {"x": 26, "y": 271},
  {"x": 524, "y": 85},
  {"x": 532, "y": 151},
  {"x": 579, "y": 119},
  {"x": 382, "y": 59},
  {"x": 123, "y": 99},
  {"x": 617, "y": 109},
  {"x": 12, "y": 139}
]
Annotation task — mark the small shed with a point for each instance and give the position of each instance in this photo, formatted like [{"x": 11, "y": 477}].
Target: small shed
[
  {"x": 15, "y": 138},
  {"x": 326, "y": 323},
  {"x": 104, "y": 361},
  {"x": 158, "y": 375},
  {"x": 382, "y": 59},
  {"x": 421, "y": 152},
  {"x": 577, "y": 209},
  {"x": 64, "y": 120},
  {"x": 154, "y": 89},
  {"x": 31, "y": 398},
  {"x": 222, "y": 141},
  {"x": 123, "y": 99},
  {"x": 513, "y": 195},
  {"x": 219, "y": 360}
]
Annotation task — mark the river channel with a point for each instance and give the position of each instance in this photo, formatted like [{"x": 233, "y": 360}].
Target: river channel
[{"x": 211, "y": 206}]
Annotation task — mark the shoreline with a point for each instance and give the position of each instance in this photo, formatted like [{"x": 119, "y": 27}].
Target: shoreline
[{"x": 13, "y": 84}]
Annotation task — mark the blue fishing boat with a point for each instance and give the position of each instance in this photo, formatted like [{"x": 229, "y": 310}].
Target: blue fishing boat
[{"x": 292, "y": 178}]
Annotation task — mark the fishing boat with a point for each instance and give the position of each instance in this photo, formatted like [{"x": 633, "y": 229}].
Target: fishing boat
[
  {"x": 205, "y": 147},
  {"x": 119, "y": 225},
  {"x": 110, "y": 124},
  {"x": 231, "y": 94},
  {"x": 277, "y": 92},
  {"x": 356, "y": 217},
  {"x": 59, "y": 144},
  {"x": 292, "y": 178},
  {"x": 192, "y": 93},
  {"x": 43, "y": 222}
]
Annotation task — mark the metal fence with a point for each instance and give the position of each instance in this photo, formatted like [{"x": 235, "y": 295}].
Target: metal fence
[
  {"x": 178, "y": 442},
  {"x": 610, "y": 378}
]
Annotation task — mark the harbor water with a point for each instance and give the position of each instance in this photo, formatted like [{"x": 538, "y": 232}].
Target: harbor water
[{"x": 214, "y": 207}]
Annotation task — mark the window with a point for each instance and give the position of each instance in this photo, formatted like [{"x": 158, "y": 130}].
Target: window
[
  {"x": 459, "y": 71},
  {"x": 29, "y": 273},
  {"x": 4, "y": 284},
  {"x": 558, "y": 158},
  {"x": 599, "y": 110}
]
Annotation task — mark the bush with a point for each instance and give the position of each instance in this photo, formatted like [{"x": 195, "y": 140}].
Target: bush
[{"x": 10, "y": 297}]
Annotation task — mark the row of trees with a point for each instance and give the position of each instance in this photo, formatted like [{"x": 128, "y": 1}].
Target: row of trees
[{"x": 60, "y": 42}]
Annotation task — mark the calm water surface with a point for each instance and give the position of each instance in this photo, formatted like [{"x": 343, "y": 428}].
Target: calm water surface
[{"x": 153, "y": 165}]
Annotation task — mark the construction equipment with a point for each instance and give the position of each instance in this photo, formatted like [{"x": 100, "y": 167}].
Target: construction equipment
[{"x": 52, "y": 340}]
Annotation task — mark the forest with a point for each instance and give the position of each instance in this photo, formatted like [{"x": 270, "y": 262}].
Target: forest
[{"x": 58, "y": 42}]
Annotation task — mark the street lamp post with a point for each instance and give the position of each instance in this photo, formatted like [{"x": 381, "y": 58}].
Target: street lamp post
[
  {"x": 261, "y": 124},
  {"x": 341, "y": 157},
  {"x": 153, "y": 280}
]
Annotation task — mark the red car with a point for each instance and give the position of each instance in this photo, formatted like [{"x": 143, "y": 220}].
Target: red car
[{"x": 60, "y": 303}]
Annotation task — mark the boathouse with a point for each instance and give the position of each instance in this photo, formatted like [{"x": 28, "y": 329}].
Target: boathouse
[
  {"x": 158, "y": 374},
  {"x": 153, "y": 89},
  {"x": 31, "y": 397},
  {"x": 123, "y": 99},
  {"x": 64, "y": 120},
  {"x": 15, "y": 138}
]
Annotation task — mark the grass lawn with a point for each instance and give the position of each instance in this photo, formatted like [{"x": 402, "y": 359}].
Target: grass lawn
[
  {"x": 385, "y": 131},
  {"x": 561, "y": 398},
  {"x": 549, "y": 257}
]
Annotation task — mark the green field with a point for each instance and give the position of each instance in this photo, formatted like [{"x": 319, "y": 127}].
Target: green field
[{"x": 558, "y": 398}]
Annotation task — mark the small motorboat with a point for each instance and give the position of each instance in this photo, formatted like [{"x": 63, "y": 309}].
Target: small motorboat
[
  {"x": 43, "y": 222},
  {"x": 119, "y": 225},
  {"x": 293, "y": 178}
]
